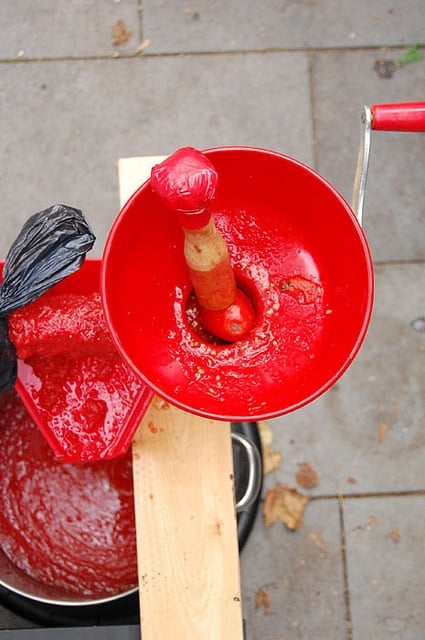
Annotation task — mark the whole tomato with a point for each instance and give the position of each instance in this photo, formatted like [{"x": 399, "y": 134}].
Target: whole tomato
[{"x": 234, "y": 322}]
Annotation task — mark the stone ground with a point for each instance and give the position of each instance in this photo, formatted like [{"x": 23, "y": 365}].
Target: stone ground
[{"x": 293, "y": 77}]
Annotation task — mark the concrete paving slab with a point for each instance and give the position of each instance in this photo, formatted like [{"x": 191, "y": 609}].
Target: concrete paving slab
[
  {"x": 385, "y": 558},
  {"x": 202, "y": 25},
  {"x": 68, "y": 28},
  {"x": 343, "y": 82},
  {"x": 301, "y": 572},
  {"x": 62, "y": 136},
  {"x": 366, "y": 434}
]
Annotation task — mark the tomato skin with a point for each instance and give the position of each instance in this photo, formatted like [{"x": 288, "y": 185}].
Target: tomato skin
[{"x": 234, "y": 322}]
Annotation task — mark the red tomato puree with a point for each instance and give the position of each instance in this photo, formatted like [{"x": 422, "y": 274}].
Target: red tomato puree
[
  {"x": 67, "y": 525},
  {"x": 81, "y": 387}
]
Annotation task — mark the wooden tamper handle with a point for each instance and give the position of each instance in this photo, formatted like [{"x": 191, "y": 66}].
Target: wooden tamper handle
[{"x": 186, "y": 182}]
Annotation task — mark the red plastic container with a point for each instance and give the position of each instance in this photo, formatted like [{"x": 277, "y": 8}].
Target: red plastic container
[
  {"x": 297, "y": 250},
  {"x": 80, "y": 442}
]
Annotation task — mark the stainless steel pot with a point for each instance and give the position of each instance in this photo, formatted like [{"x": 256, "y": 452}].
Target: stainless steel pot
[{"x": 248, "y": 478}]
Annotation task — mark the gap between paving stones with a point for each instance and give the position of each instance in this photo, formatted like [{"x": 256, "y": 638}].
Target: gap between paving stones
[
  {"x": 368, "y": 494},
  {"x": 388, "y": 49},
  {"x": 343, "y": 548}
]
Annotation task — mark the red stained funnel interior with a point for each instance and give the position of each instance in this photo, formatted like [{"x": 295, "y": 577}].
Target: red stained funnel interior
[{"x": 296, "y": 249}]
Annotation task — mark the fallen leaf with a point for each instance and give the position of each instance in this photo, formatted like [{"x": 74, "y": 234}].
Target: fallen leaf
[
  {"x": 382, "y": 431},
  {"x": 266, "y": 435},
  {"x": 284, "y": 503},
  {"x": 394, "y": 535},
  {"x": 317, "y": 542},
  {"x": 271, "y": 459},
  {"x": 306, "y": 477},
  {"x": 371, "y": 521},
  {"x": 263, "y": 600},
  {"x": 143, "y": 45},
  {"x": 385, "y": 68},
  {"x": 351, "y": 480},
  {"x": 120, "y": 34}
]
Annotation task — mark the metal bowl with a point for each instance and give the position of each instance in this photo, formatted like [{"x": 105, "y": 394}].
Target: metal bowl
[{"x": 49, "y": 606}]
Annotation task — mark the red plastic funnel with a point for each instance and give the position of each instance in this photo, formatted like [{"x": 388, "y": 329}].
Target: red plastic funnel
[
  {"x": 84, "y": 413},
  {"x": 297, "y": 250}
]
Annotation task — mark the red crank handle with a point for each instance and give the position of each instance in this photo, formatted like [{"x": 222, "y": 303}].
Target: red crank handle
[{"x": 402, "y": 116}]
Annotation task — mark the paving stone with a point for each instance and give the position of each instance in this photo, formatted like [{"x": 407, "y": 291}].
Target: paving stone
[
  {"x": 366, "y": 434},
  {"x": 385, "y": 558},
  {"x": 203, "y": 25},
  {"x": 66, "y": 29},
  {"x": 62, "y": 136},
  {"x": 343, "y": 82},
  {"x": 301, "y": 571}
]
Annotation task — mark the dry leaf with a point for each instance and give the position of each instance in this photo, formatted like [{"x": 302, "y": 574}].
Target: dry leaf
[
  {"x": 120, "y": 34},
  {"x": 263, "y": 600},
  {"x": 317, "y": 542},
  {"x": 370, "y": 522},
  {"x": 286, "y": 504},
  {"x": 382, "y": 431},
  {"x": 271, "y": 459},
  {"x": 394, "y": 535},
  {"x": 306, "y": 477},
  {"x": 142, "y": 46},
  {"x": 266, "y": 435}
]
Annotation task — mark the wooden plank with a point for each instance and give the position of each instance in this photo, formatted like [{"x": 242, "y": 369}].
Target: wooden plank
[
  {"x": 185, "y": 517},
  {"x": 133, "y": 172},
  {"x": 188, "y": 558}
]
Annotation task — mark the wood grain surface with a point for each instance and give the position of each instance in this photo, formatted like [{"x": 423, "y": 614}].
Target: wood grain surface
[{"x": 188, "y": 558}]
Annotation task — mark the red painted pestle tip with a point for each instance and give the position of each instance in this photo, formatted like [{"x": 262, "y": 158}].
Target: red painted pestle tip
[
  {"x": 186, "y": 182},
  {"x": 233, "y": 323}
]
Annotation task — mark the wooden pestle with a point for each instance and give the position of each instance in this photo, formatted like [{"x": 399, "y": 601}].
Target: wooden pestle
[
  {"x": 186, "y": 182},
  {"x": 208, "y": 260}
]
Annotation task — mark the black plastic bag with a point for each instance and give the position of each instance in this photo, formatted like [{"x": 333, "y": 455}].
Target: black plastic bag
[
  {"x": 51, "y": 245},
  {"x": 8, "y": 362}
]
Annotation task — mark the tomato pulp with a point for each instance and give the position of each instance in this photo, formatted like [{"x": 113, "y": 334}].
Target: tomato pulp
[
  {"x": 83, "y": 391},
  {"x": 66, "y": 525}
]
